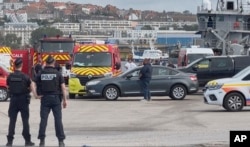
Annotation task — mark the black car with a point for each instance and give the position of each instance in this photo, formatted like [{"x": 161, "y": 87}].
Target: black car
[
  {"x": 216, "y": 67},
  {"x": 165, "y": 82}
]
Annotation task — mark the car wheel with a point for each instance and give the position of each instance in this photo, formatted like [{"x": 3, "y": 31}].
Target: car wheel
[
  {"x": 72, "y": 96},
  {"x": 233, "y": 102},
  {"x": 178, "y": 92},
  {"x": 3, "y": 94},
  {"x": 80, "y": 94},
  {"x": 111, "y": 93}
]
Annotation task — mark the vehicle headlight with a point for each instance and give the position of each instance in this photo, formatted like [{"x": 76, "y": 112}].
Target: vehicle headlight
[
  {"x": 214, "y": 86},
  {"x": 92, "y": 82},
  {"x": 108, "y": 74}
]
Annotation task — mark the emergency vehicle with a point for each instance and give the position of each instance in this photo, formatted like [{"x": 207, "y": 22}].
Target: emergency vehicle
[
  {"x": 91, "y": 61},
  {"x": 188, "y": 55},
  {"x": 6, "y": 57},
  {"x": 28, "y": 59},
  {"x": 6, "y": 66},
  {"x": 230, "y": 93},
  {"x": 61, "y": 48},
  {"x": 4, "y": 72}
]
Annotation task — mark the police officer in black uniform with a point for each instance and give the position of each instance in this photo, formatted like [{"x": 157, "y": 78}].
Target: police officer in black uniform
[
  {"x": 50, "y": 85},
  {"x": 19, "y": 86}
]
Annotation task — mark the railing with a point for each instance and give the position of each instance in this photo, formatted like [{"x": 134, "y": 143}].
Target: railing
[{"x": 244, "y": 26}]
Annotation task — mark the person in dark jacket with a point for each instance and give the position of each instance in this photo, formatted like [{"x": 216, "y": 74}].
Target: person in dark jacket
[
  {"x": 50, "y": 85},
  {"x": 170, "y": 64},
  {"x": 37, "y": 68},
  {"x": 145, "y": 77},
  {"x": 19, "y": 86}
]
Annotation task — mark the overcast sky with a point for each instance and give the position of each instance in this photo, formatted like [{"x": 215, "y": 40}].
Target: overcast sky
[{"x": 158, "y": 5}]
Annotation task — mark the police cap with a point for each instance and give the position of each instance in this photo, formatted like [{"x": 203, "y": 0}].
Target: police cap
[
  {"x": 18, "y": 61},
  {"x": 50, "y": 60}
]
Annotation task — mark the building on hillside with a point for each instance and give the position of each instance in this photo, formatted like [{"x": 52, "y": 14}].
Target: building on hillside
[
  {"x": 14, "y": 5},
  {"x": 22, "y": 30},
  {"x": 16, "y": 17},
  {"x": 67, "y": 28},
  {"x": 105, "y": 25}
]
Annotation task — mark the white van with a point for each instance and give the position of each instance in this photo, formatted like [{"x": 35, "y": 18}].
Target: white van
[{"x": 188, "y": 55}]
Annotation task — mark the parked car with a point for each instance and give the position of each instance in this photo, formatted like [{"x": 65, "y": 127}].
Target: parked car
[
  {"x": 165, "y": 81},
  {"x": 3, "y": 86},
  {"x": 230, "y": 93},
  {"x": 216, "y": 67}
]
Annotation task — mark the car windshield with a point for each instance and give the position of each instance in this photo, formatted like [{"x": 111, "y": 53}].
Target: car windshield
[
  {"x": 242, "y": 72},
  {"x": 92, "y": 59},
  {"x": 193, "y": 57},
  {"x": 60, "y": 46}
]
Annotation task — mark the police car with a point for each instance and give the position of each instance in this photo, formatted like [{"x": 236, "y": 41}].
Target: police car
[{"x": 231, "y": 93}]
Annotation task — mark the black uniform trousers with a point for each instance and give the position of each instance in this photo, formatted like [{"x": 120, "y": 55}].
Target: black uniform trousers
[
  {"x": 19, "y": 103},
  {"x": 48, "y": 103}
]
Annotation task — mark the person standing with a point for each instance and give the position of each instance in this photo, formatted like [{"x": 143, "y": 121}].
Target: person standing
[
  {"x": 170, "y": 64},
  {"x": 19, "y": 86},
  {"x": 37, "y": 68},
  {"x": 50, "y": 85},
  {"x": 130, "y": 64},
  {"x": 145, "y": 77}
]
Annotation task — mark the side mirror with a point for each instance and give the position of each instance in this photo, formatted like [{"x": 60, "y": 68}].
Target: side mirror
[
  {"x": 129, "y": 76},
  {"x": 68, "y": 66},
  {"x": 117, "y": 65},
  {"x": 195, "y": 67}
]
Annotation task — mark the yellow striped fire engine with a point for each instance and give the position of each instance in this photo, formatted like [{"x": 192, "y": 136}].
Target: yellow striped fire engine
[
  {"x": 61, "y": 48},
  {"x": 6, "y": 58},
  {"x": 91, "y": 61}
]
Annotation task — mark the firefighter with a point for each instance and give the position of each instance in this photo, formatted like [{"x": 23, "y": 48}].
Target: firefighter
[
  {"x": 50, "y": 84},
  {"x": 19, "y": 86}
]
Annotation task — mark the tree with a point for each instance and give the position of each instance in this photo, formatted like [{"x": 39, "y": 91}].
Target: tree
[
  {"x": 37, "y": 34},
  {"x": 12, "y": 41}
]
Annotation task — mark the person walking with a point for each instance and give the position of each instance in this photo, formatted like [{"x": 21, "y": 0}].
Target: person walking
[
  {"x": 145, "y": 77},
  {"x": 50, "y": 86},
  {"x": 19, "y": 86},
  {"x": 130, "y": 64}
]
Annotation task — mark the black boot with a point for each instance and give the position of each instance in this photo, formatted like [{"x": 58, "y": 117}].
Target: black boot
[
  {"x": 10, "y": 141},
  {"x": 29, "y": 143},
  {"x": 42, "y": 143},
  {"x": 61, "y": 143}
]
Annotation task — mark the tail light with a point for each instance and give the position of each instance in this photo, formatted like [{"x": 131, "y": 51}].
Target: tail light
[{"x": 193, "y": 77}]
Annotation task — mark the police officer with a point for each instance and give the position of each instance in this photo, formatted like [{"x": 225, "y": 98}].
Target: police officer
[
  {"x": 50, "y": 85},
  {"x": 19, "y": 86}
]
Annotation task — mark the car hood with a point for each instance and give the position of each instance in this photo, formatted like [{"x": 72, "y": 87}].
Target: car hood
[{"x": 222, "y": 81}]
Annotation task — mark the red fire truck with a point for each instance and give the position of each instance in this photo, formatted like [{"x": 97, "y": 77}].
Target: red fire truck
[{"x": 60, "y": 48}]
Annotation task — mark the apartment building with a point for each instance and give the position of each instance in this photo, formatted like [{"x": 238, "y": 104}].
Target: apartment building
[
  {"x": 22, "y": 30},
  {"x": 106, "y": 25},
  {"x": 67, "y": 28}
]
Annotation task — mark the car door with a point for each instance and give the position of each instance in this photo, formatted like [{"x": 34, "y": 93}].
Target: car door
[
  {"x": 160, "y": 81},
  {"x": 202, "y": 70},
  {"x": 130, "y": 84},
  {"x": 221, "y": 68}
]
